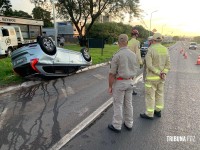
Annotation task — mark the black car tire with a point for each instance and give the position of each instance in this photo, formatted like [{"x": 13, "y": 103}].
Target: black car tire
[
  {"x": 47, "y": 45},
  {"x": 85, "y": 54}
]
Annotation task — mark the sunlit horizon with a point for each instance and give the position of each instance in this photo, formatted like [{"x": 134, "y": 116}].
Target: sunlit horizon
[{"x": 175, "y": 18}]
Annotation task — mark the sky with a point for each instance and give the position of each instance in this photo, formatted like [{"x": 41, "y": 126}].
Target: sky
[{"x": 172, "y": 17}]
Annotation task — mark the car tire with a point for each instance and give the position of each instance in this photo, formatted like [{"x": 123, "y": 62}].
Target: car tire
[
  {"x": 47, "y": 45},
  {"x": 85, "y": 54}
]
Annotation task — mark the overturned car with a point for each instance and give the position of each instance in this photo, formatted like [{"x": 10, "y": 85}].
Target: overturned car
[{"x": 44, "y": 58}]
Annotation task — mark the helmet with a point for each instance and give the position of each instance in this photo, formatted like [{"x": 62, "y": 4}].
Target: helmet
[
  {"x": 134, "y": 32},
  {"x": 157, "y": 37}
]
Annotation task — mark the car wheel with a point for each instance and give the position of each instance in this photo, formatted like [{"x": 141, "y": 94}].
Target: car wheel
[
  {"x": 86, "y": 54},
  {"x": 47, "y": 45}
]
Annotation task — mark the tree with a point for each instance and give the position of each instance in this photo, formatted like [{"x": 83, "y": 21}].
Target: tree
[
  {"x": 21, "y": 14},
  {"x": 39, "y": 13},
  {"x": 109, "y": 31},
  {"x": 196, "y": 39},
  {"x": 81, "y": 12},
  {"x": 176, "y": 38},
  {"x": 5, "y": 7}
]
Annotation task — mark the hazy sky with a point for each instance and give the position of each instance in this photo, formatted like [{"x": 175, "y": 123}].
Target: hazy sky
[{"x": 172, "y": 17}]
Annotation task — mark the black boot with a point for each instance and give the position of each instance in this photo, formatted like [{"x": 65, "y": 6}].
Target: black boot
[
  {"x": 145, "y": 116},
  {"x": 157, "y": 113}
]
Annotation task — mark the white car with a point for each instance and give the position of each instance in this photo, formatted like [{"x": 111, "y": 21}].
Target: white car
[
  {"x": 193, "y": 45},
  {"x": 44, "y": 58}
]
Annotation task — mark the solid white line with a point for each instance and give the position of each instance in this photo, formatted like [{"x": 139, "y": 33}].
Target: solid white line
[
  {"x": 81, "y": 125},
  {"x": 86, "y": 122}
]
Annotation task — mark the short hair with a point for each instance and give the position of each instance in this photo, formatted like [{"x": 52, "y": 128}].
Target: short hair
[{"x": 123, "y": 38}]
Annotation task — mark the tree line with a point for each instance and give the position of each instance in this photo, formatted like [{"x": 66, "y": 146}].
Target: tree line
[{"x": 85, "y": 15}]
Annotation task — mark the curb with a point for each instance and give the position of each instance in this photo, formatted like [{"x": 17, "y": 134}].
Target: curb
[{"x": 31, "y": 83}]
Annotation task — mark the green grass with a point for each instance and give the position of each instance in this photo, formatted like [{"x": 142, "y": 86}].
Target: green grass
[
  {"x": 8, "y": 77},
  {"x": 95, "y": 53},
  {"x": 168, "y": 44}
]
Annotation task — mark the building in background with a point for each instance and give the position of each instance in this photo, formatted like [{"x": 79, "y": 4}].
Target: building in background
[
  {"x": 30, "y": 28},
  {"x": 64, "y": 29}
]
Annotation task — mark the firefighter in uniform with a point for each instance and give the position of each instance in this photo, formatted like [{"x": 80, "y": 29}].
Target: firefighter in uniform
[
  {"x": 134, "y": 46},
  {"x": 157, "y": 66},
  {"x": 150, "y": 40},
  {"x": 122, "y": 70}
]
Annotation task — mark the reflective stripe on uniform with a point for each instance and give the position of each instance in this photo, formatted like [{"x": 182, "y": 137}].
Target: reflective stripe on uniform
[
  {"x": 165, "y": 70},
  {"x": 159, "y": 106},
  {"x": 157, "y": 70},
  {"x": 160, "y": 49},
  {"x": 148, "y": 85},
  {"x": 150, "y": 110},
  {"x": 152, "y": 78}
]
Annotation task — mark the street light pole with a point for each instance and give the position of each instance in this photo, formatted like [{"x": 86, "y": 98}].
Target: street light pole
[
  {"x": 150, "y": 22},
  {"x": 54, "y": 17}
]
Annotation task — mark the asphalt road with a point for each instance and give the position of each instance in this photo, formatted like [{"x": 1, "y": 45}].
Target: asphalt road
[
  {"x": 36, "y": 118},
  {"x": 179, "y": 126}
]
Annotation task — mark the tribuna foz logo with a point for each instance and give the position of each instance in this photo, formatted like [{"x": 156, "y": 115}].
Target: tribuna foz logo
[{"x": 180, "y": 138}]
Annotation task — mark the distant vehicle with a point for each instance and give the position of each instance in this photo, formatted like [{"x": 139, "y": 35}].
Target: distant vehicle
[
  {"x": 10, "y": 39},
  {"x": 144, "y": 48},
  {"x": 193, "y": 45},
  {"x": 45, "y": 59}
]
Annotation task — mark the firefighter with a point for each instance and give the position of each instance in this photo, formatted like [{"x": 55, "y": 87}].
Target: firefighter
[
  {"x": 157, "y": 66},
  {"x": 134, "y": 46}
]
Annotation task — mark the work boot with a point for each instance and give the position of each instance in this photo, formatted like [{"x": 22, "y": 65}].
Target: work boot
[
  {"x": 145, "y": 116},
  {"x": 111, "y": 127},
  {"x": 157, "y": 113},
  {"x": 134, "y": 93}
]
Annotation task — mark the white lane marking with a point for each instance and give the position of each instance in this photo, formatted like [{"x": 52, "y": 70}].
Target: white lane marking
[
  {"x": 98, "y": 76},
  {"x": 139, "y": 78},
  {"x": 86, "y": 122},
  {"x": 81, "y": 125},
  {"x": 2, "y": 117}
]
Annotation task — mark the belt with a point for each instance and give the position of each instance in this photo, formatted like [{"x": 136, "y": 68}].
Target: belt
[{"x": 119, "y": 78}]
